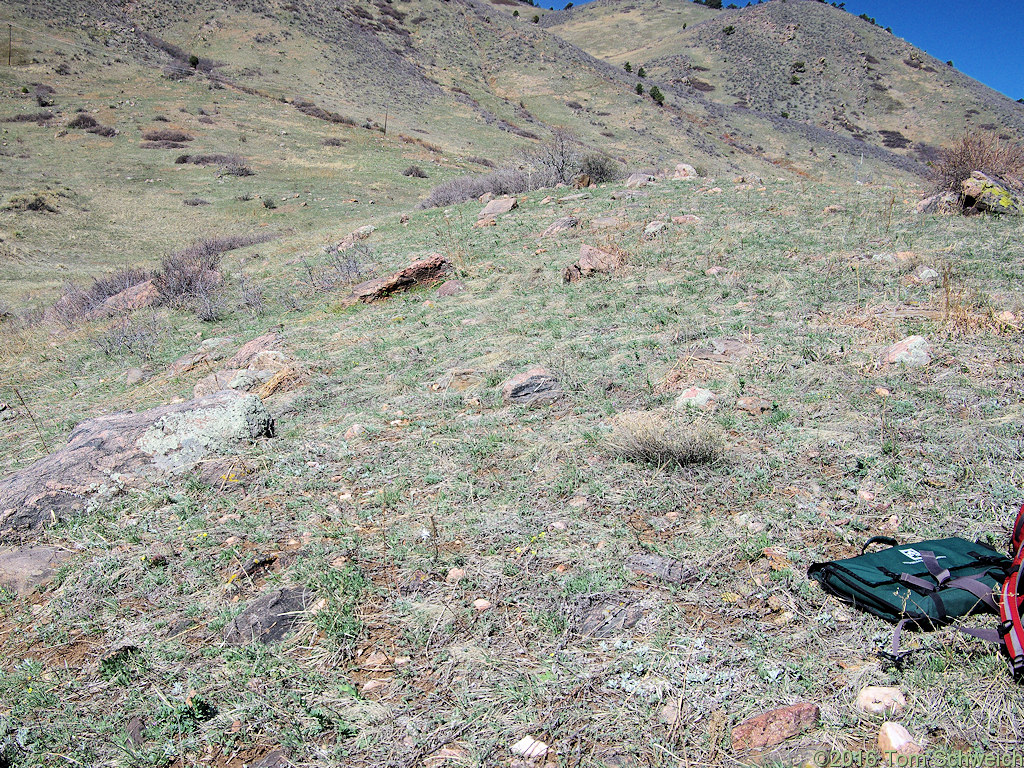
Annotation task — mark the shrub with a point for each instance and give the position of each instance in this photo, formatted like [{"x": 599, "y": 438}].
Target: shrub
[
  {"x": 729, "y": 30},
  {"x": 504, "y": 181},
  {"x": 195, "y": 202},
  {"x": 166, "y": 134},
  {"x": 83, "y": 120},
  {"x": 131, "y": 337},
  {"x": 103, "y": 130},
  {"x": 480, "y": 161},
  {"x": 415, "y": 171},
  {"x": 664, "y": 439},
  {"x": 639, "y": 89},
  {"x": 600, "y": 168},
  {"x": 535, "y": 19},
  {"x": 628, "y": 67},
  {"x": 979, "y": 152},
  {"x": 333, "y": 142},
  {"x": 237, "y": 169},
  {"x": 657, "y": 95},
  {"x": 104, "y": 287},
  {"x": 641, "y": 72}
]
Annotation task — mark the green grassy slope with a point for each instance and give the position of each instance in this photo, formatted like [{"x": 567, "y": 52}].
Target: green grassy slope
[{"x": 533, "y": 505}]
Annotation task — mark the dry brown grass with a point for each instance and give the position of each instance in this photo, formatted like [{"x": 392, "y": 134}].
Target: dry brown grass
[{"x": 664, "y": 439}]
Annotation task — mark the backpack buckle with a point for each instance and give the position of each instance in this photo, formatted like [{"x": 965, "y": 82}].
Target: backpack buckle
[
  {"x": 1004, "y": 628},
  {"x": 1017, "y": 668}
]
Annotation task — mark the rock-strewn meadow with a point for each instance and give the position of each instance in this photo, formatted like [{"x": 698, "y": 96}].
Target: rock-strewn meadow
[{"x": 293, "y": 479}]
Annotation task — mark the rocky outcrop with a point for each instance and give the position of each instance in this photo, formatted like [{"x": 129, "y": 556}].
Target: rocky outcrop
[
  {"x": 429, "y": 271},
  {"x": 109, "y": 453},
  {"x": 592, "y": 260}
]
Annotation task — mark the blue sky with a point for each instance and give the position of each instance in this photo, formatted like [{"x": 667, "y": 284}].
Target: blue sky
[{"x": 983, "y": 39}]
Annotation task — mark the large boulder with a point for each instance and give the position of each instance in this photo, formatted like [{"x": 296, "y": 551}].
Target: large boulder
[
  {"x": 127, "y": 449},
  {"x": 984, "y": 194},
  {"x": 592, "y": 260},
  {"x": 429, "y": 271}
]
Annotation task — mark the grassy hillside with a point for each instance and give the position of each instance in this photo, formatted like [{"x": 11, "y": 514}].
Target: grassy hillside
[
  {"x": 533, "y": 507},
  {"x": 470, "y": 564},
  {"x": 801, "y": 59},
  {"x": 457, "y": 83}
]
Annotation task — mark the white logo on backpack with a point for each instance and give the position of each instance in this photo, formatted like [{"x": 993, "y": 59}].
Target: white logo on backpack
[{"x": 914, "y": 557}]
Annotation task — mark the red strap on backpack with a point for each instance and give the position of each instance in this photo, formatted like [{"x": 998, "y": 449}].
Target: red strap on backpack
[{"x": 1012, "y": 600}]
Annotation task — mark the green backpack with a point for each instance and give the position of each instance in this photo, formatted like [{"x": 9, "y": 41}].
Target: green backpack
[{"x": 924, "y": 585}]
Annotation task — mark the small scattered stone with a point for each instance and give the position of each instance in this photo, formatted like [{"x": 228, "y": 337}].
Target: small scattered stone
[
  {"x": 833, "y": 209},
  {"x": 687, "y": 219},
  {"x": 913, "y": 352},
  {"x": 535, "y": 385},
  {"x": 925, "y": 274},
  {"x": 695, "y": 397},
  {"x": 878, "y": 700},
  {"x": 893, "y": 737},
  {"x": 498, "y": 207},
  {"x": 561, "y": 225},
  {"x": 654, "y": 228},
  {"x": 25, "y": 569},
  {"x": 637, "y": 180},
  {"x": 356, "y": 430},
  {"x": 451, "y": 288},
  {"x": 455, "y": 575},
  {"x": 684, "y": 171},
  {"x": 530, "y": 747},
  {"x": 755, "y": 406},
  {"x": 133, "y": 376},
  {"x": 775, "y": 726},
  {"x": 480, "y": 604}
]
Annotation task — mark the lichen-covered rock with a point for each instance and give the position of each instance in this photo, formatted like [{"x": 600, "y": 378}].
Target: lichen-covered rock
[
  {"x": 984, "y": 194},
  {"x": 913, "y": 352},
  {"x": 126, "y": 450}
]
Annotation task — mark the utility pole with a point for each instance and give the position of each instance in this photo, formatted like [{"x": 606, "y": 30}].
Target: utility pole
[
  {"x": 385, "y": 119},
  {"x": 10, "y": 45}
]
